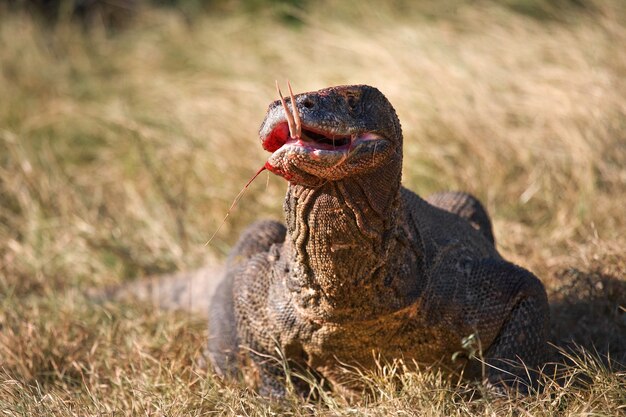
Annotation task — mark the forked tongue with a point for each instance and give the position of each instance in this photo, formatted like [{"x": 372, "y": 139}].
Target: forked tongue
[
  {"x": 271, "y": 144},
  {"x": 293, "y": 120}
]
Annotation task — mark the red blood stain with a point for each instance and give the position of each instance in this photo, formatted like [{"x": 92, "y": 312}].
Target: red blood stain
[
  {"x": 277, "y": 171},
  {"x": 277, "y": 138}
]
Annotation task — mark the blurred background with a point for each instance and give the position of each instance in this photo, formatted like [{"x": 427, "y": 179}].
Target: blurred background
[{"x": 127, "y": 128}]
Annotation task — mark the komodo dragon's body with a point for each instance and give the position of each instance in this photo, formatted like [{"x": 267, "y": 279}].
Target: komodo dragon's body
[{"x": 364, "y": 268}]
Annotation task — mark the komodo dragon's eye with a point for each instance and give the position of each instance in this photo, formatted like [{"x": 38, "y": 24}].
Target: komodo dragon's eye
[{"x": 352, "y": 100}]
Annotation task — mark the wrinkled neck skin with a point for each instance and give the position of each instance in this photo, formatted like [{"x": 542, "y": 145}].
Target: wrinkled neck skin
[{"x": 344, "y": 245}]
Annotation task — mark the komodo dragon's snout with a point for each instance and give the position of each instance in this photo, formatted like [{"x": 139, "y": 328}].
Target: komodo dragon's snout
[
  {"x": 365, "y": 269},
  {"x": 336, "y": 132}
]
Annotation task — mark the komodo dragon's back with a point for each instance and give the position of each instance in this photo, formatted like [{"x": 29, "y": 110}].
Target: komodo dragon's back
[{"x": 364, "y": 268}]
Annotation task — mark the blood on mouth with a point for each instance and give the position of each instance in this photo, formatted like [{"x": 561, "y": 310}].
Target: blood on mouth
[
  {"x": 280, "y": 136},
  {"x": 277, "y": 138}
]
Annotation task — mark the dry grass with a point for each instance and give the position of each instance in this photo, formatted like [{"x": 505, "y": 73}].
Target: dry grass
[{"x": 119, "y": 156}]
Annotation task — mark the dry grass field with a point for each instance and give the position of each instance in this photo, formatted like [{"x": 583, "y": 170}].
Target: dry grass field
[{"x": 122, "y": 149}]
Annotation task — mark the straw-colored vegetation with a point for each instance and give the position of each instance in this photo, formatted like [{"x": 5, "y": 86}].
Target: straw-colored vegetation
[{"x": 121, "y": 150}]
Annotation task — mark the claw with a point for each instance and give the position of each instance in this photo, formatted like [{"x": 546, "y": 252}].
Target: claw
[
  {"x": 296, "y": 114},
  {"x": 290, "y": 120}
]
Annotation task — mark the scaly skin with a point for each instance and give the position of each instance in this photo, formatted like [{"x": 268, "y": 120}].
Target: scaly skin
[{"x": 365, "y": 268}]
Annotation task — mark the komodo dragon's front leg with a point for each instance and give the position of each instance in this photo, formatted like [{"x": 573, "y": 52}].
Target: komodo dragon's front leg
[
  {"x": 224, "y": 339},
  {"x": 518, "y": 302}
]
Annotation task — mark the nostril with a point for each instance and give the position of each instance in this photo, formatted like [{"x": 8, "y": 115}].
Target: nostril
[{"x": 308, "y": 103}]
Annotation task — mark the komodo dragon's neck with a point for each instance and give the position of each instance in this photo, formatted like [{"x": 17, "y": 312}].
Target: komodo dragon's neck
[{"x": 344, "y": 246}]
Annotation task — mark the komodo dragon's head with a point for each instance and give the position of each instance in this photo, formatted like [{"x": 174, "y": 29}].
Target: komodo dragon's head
[{"x": 331, "y": 134}]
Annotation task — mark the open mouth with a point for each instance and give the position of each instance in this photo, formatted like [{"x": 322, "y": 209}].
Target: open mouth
[
  {"x": 325, "y": 141},
  {"x": 309, "y": 138}
]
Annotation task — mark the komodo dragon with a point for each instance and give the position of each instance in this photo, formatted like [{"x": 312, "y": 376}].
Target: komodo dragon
[{"x": 366, "y": 270}]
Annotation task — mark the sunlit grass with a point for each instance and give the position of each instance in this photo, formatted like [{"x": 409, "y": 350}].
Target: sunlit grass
[{"x": 121, "y": 153}]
